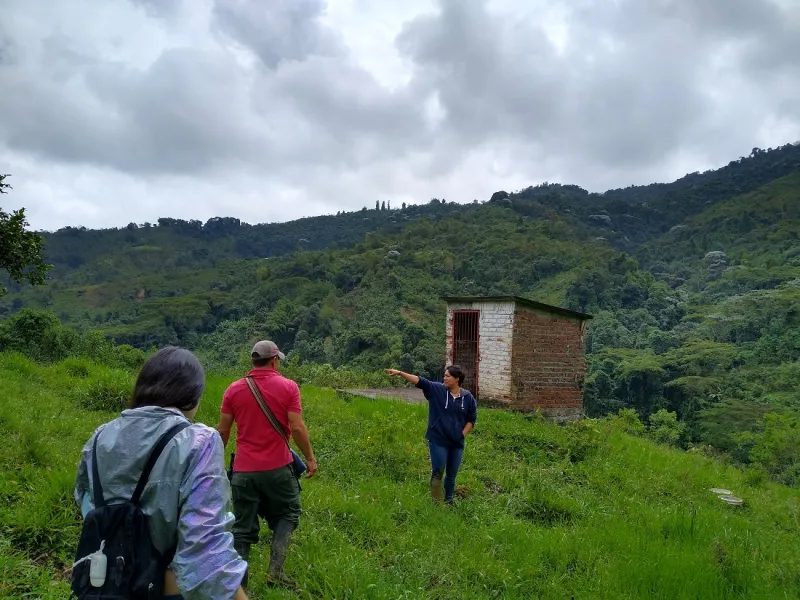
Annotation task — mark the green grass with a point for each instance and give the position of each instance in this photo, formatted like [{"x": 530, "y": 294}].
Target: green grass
[{"x": 583, "y": 511}]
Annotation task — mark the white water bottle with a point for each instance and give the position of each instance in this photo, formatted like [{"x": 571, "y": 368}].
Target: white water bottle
[{"x": 98, "y": 566}]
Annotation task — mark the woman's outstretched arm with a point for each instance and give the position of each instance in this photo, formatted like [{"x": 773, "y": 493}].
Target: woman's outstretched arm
[{"x": 413, "y": 379}]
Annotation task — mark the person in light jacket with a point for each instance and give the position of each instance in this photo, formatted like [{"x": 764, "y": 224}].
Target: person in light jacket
[
  {"x": 452, "y": 413},
  {"x": 188, "y": 495}
]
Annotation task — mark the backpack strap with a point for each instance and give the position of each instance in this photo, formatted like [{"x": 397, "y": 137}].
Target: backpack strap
[
  {"x": 151, "y": 461},
  {"x": 96, "y": 487}
]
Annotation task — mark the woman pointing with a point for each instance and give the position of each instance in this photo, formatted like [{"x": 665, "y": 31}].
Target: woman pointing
[{"x": 452, "y": 412}]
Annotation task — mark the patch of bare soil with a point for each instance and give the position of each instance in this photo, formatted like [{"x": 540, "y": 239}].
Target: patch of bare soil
[{"x": 410, "y": 395}]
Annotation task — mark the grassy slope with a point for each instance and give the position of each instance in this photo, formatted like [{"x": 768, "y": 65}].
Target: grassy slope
[{"x": 585, "y": 512}]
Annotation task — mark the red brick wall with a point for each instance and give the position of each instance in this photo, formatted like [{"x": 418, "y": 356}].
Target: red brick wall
[{"x": 547, "y": 364}]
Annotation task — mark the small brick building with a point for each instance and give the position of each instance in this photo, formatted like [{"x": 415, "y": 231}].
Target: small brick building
[{"x": 518, "y": 353}]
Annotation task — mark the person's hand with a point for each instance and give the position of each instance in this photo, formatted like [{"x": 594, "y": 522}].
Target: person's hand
[
  {"x": 311, "y": 468},
  {"x": 392, "y": 372}
]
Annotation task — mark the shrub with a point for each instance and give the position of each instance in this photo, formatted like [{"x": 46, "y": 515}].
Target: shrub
[
  {"x": 127, "y": 357},
  {"x": 545, "y": 504},
  {"x": 583, "y": 439},
  {"x": 755, "y": 476},
  {"x": 18, "y": 363},
  {"x": 791, "y": 476},
  {"x": 665, "y": 428},
  {"x": 24, "y": 331},
  {"x": 627, "y": 420},
  {"x": 109, "y": 390},
  {"x": 325, "y": 375},
  {"x": 776, "y": 448},
  {"x": 94, "y": 345},
  {"x": 76, "y": 367},
  {"x": 37, "y": 334}
]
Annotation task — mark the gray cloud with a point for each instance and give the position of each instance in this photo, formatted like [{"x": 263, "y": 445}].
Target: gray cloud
[
  {"x": 631, "y": 87},
  {"x": 278, "y": 31},
  {"x": 221, "y": 100},
  {"x": 310, "y": 75},
  {"x": 182, "y": 114},
  {"x": 166, "y": 9},
  {"x": 192, "y": 109}
]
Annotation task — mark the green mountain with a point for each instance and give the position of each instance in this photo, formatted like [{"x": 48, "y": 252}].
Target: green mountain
[
  {"x": 734, "y": 353},
  {"x": 695, "y": 286}
]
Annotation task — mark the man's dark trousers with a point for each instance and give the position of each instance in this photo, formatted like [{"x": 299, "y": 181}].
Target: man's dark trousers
[{"x": 273, "y": 495}]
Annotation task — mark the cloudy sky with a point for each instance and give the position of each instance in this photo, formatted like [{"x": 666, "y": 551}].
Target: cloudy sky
[{"x": 114, "y": 111}]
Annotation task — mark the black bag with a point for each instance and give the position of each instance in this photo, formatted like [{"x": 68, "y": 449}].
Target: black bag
[
  {"x": 230, "y": 469},
  {"x": 118, "y": 535}
]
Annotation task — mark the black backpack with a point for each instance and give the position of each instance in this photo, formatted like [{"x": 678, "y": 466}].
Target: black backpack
[{"x": 118, "y": 535}]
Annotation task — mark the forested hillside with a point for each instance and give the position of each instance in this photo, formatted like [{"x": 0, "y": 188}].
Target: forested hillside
[{"x": 694, "y": 285}]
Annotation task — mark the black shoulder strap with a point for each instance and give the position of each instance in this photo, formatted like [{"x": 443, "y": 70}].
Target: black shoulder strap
[
  {"x": 151, "y": 461},
  {"x": 98, "y": 489}
]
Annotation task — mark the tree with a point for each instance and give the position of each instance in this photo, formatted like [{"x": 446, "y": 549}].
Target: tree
[
  {"x": 377, "y": 204},
  {"x": 383, "y": 205},
  {"x": 21, "y": 251}
]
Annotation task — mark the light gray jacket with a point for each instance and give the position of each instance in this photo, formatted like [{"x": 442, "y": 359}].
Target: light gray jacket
[{"x": 187, "y": 497}]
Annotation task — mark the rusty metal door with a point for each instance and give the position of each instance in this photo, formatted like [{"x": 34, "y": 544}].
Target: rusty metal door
[{"x": 465, "y": 346}]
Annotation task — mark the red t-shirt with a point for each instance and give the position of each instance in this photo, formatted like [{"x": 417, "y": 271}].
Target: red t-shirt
[{"x": 258, "y": 445}]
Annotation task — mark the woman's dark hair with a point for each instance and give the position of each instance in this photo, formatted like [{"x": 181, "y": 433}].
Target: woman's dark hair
[
  {"x": 171, "y": 378},
  {"x": 455, "y": 371}
]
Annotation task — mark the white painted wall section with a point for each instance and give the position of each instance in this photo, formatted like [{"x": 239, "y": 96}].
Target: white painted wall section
[{"x": 496, "y": 331}]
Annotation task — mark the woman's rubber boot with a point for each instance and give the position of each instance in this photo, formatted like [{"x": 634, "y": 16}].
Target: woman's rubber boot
[
  {"x": 436, "y": 488},
  {"x": 244, "y": 551},
  {"x": 277, "y": 555}
]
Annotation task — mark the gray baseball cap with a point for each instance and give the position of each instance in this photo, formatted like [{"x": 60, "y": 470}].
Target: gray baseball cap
[{"x": 266, "y": 349}]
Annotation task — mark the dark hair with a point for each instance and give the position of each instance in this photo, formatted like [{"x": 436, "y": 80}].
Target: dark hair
[
  {"x": 262, "y": 362},
  {"x": 455, "y": 371},
  {"x": 172, "y": 377}
]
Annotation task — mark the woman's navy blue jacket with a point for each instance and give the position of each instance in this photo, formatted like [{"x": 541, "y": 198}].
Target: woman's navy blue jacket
[{"x": 447, "y": 415}]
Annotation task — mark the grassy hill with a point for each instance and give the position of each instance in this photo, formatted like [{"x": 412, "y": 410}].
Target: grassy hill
[{"x": 584, "y": 511}]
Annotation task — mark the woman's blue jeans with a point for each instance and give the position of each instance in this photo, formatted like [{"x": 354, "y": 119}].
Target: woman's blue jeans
[{"x": 445, "y": 461}]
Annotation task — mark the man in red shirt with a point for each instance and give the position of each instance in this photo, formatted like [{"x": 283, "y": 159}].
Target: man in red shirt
[{"x": 263, "y": 481}]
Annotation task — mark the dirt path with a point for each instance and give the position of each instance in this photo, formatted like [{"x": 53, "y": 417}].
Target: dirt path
[{"x": 410, "y": 395}]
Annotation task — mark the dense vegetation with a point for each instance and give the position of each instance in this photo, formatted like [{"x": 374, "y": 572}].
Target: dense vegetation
[
  {"x": 694, "y": 356},
  {"x": 21, "y": 251},
  {"x": 694, "y": 286},
  {"x": 582, "y": 511}
]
